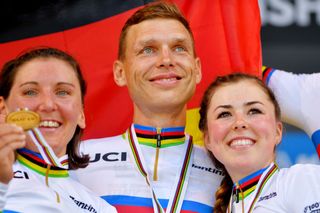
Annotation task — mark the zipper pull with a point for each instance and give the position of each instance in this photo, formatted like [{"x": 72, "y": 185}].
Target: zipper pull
[
  {"x": 237, "y": 193},
  {"x": 158, "y": 137},
  {"x": 47, "y": 182},
  {"x": 155, "y": 169}
]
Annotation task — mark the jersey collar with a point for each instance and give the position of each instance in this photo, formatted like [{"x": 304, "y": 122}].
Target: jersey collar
[
  {"x": 160, "y": 137},
  {"x": 35, "y": 162},
  {"x": 247, "y": 185}
]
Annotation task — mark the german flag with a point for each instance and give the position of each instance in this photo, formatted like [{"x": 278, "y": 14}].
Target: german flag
[{"x": 227, "y": 36}]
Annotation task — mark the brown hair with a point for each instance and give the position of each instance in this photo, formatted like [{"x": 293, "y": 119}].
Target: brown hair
[
  {"x": 161, "y": 9},
  {"x": 224, "y": 191},
  {"x": 7, "y": 77}
]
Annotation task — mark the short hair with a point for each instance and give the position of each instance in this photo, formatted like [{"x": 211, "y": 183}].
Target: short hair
[{"x": 162, "y": 9}]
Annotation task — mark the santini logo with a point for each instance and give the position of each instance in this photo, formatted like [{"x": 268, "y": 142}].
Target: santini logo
[
  {"x": 83, "y": 205},
  {"x": 267, "y": 197},
  {"x": 209, "y": 169}
]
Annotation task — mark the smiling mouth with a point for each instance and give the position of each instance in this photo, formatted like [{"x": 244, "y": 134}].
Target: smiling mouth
[
  {"x": 241, "y": 143},
  {"x": 170, "y": 79},
  {"x": 170, "y": 76},
  {"x": 49, "y": 124}
]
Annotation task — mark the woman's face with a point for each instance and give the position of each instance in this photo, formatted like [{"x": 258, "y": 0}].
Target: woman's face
[
  {"x": 242, "y": 128},
  {"x": 50, "y": 87}
]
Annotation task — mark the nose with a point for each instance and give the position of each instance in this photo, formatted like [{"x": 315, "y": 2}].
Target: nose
[
  {"x": 240, "y": 123},
  {"x": 165, "y": 58},
  {"x": 47, "y": 103},
  {"x": 243, "y": 126}
]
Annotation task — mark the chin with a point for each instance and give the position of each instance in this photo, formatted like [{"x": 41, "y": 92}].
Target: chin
[
  {"x": 244, "y": 164},
  {"x": 56, "y": 147}
]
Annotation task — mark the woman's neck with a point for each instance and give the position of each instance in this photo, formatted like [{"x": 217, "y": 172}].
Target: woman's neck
[{"x": 238, "y": 174}]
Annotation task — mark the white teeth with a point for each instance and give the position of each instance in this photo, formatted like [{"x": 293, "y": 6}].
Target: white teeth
[
  {"x": 241, "y": 142},
  {"x": 49, "y": 124},
  {"x": 168, "y": 79}
]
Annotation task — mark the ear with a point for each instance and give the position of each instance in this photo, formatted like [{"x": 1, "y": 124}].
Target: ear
[
  {"x": 82, "y": 120},
  {"x": 206, "y": 140},
  {"x": 3, "y": 110},
  {"x": 198, "y": 70},
  {"x": 279, "y": 129},
  {"x": 119, "y": 75}
]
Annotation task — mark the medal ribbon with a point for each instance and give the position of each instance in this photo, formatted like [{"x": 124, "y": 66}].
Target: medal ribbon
[
  {"x": 264, "y": 179},
  {"x": 45, "y": 150},
  {"x": 182, "y": 177}
]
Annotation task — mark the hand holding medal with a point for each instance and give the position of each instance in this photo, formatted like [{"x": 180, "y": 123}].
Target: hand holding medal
[
  {"x": 24, "y": 118},
  {"x": 29, "y": 121},
  {"x": 11, "y": 138}
]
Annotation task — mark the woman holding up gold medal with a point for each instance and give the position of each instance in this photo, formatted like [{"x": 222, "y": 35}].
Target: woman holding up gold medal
[
  {"x": 42, "y": 118},
  {"x": 240, "y": 119}
]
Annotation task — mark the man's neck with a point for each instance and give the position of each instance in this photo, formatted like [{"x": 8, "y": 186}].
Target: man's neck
[{"x": 160, "y": 119}]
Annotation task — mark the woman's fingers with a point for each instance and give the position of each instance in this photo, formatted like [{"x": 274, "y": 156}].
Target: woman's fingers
[{"x": 11, "y": 138}]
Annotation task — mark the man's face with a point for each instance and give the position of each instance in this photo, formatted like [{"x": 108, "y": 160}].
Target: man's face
[{"x": 159, "y": 67}]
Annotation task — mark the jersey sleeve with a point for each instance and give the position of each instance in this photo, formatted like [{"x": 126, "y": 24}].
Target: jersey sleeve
[
  {"x": 3, "y": 191},
  {"x": 301, "y": 188},
  {"x": 299, "y": 99}
]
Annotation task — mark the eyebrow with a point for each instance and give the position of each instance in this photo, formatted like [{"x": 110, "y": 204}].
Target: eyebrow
[
  {"x": 223, "y": 106},
  {"x": 227, "y": 106},
  {"x": 253, "y": 102},
  {"x": 36, "y": 83},
  {"x": 29, "y": 82},
  {"x": 147, "y": 41}
]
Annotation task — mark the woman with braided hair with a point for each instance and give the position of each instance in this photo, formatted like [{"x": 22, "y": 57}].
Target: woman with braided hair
[{"x": 240, "y": 119}]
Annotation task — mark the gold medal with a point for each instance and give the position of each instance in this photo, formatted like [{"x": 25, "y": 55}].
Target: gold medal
[{"x": 24, "y": 118}]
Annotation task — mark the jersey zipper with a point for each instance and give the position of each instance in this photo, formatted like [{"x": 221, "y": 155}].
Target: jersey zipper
[
  {"x": 155, "y": 169},
  {"x": 47, "y": 182}
]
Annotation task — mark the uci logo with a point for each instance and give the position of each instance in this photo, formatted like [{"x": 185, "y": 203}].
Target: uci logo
[
  {"x": 20, "y": 174},
  {"x": 110, "y": 157}
]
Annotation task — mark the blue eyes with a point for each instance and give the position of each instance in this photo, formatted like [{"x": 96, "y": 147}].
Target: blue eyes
[
  {"x": 32, "y": 93},
  {"x": 148, "y": 50},
  {"x": 62, "y": 93},
  {"x": 151, "y": 50},
  {"x": 226, "y": 114},
  {"x": 180, "y": 49},
  {"x": 254, "y": 111}
]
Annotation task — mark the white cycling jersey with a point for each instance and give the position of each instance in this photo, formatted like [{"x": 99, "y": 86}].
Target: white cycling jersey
[
  {"x": 38, "y": 188},
  {"x": 299, "y": 99},
  {"x": 295, "y": 190},
  {"x": 113, "y": 172}
]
